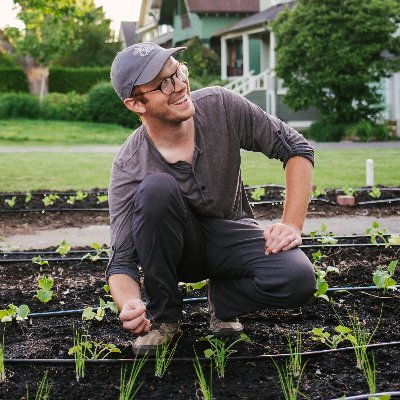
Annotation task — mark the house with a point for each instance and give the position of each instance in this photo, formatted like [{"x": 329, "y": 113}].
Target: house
[{"x": 127, "y": 33}]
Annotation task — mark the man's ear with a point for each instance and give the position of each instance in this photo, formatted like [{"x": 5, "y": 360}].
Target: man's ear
[{"x": 134, "y": 105}]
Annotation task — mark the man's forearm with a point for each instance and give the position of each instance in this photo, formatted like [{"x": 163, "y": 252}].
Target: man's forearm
[
  {"x": 123, "y": 288},
  {"x": 298, "y": 189}
]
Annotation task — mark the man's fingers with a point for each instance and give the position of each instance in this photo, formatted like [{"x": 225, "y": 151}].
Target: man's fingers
[
  {"x": 130, "y": 314},
  {"x": 283, "y": 243},
  {"x": 142, "y": 328},
  {"x": 133, "y": 324}
]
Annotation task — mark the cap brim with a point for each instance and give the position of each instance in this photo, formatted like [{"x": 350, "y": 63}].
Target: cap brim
[{"x": 155, "y": 65}]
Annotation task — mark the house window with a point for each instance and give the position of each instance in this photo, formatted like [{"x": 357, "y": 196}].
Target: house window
[{"x": 235, "y": 58}]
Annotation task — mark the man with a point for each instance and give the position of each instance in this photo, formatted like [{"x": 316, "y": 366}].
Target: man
[{"x": 178, "y": 206}]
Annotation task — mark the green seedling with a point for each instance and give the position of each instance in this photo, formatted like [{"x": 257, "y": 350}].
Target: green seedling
[
  {"x": 332, "y": 341},
  {"x": 325, "y": 237},
  {"x": 394, "y": 240},
  {"x": 127, "y": 389},
  {"x": 289, "y": 384},
  {"x": 193, "y": 286},
  {"x": 257, "y": 193},
  {"x": 86, "y": 349},
  {"x": 64, "y": 248},
  {"x": 19, "y": 313},
  {"x": 375, "y": 192},
  {"x": 38, "y": 260},
  {"x": 102, "y": 198},
  {"x": 89, "y": 314},
  {"x": 44, "y": 293},
  {"x": 11, "y": 202},
  {"x": 43, "y": 390},
  {"x": 318, "y": 192},
  {"x": 383, "y": 278},
  {"x": 220, "y": 352},
  {"x": 28, "y": 197},
  {"x": 99, "y": 251},
  {"x": 205, "y": 389},
  {"x": 295, "y": 361},
  {"x": 322, "y": 284},
  {"x": 283, "y": 193},
  {"x": 369, "y": 370},
  {"x": 71, "y": 200},
  {"x": 164, "y": 354},
  {"x": 349, "y": 191},
  {"x": 78, "y": 197},
  {"x": 375, "y": 232},
  {"x": 49, "y": 199}
]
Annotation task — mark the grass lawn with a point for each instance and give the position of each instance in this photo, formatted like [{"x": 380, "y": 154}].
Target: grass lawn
[
  {"x": 61, "y": 171},
  {"x": 38, "y": 132}
]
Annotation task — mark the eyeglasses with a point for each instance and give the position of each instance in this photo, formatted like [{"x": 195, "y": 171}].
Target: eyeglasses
[{"x": 167, "y": 85}]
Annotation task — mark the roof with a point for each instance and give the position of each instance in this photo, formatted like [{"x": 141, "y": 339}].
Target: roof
[
  {"x": 223, "y": 6},
  {"x": 256, "y": 19},
  {"x": 127, "y": 32}
]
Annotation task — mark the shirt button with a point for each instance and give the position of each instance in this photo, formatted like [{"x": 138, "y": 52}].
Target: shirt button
[{"x": 203, "y": 188}]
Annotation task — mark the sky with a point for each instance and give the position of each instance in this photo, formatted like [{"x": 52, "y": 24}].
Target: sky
[{"x": 116, "y": 10}]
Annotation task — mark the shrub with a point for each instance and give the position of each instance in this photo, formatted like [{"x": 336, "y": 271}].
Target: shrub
[
  {"x": 325, "y": 132},
  {"x": 106, "y": 106},
  {"x": 19, "y": 105},
  {"x": 366, "y": 131},
  {"x": 13, "y": 79},
  {"x": 67, "y": 107},
  {"x": 79, "y": 80}
]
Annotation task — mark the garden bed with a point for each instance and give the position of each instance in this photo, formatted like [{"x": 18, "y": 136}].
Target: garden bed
[{"x": 78, "y": 284}]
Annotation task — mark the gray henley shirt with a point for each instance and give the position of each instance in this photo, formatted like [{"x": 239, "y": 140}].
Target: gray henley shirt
[{"x": 225, "y": 122}]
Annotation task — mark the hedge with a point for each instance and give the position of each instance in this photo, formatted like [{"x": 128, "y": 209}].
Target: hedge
[
  {"x": 13, "y": 79},
  {"x": 79, "y": 80}
]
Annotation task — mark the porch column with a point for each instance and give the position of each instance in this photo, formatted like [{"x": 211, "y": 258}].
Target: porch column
[
  {"x": 397, "y": 101},
  {"x": 224, "y": 63},
  {"x": 272, "y": 60},
  {"x": 246, "y": 54}
]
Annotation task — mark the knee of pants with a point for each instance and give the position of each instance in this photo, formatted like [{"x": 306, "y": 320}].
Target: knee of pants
[{"x": 156, "y": 192}]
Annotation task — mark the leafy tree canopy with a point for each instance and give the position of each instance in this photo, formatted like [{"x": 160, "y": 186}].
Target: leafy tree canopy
[{"x": 332, "y": 54}]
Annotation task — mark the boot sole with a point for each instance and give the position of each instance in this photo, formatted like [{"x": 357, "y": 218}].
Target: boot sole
[{"x": 226, "y": 332}]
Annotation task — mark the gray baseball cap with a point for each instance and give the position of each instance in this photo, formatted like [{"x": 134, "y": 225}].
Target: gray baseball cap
[{"x": 138, "y": 64}]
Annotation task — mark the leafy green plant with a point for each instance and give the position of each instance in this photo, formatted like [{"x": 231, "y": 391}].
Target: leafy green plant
[
  {"x": 383, "y": 278},
  {"x": 71, "y": 200},
  {"x": 322, "y": 284},
  {"x": 78, "y": 197},
  {"x": 127, "y": 390},
  {"x": 375, "y": 232},
  {"x": 164, "y": 354},
  {"x": 332, "y": 341},
  {"x": 89, "y": 314},
  {"x": 205, "y": 389},
  {"x": 43, "y": 390},
  {"x": 394, "y": 240},
  {"x": 28, "y": 197},
  {"x": 318, "y": 192},
  {"x": 38, "y": 260},
  {"x": 64, "y": 248},
  {"x": 257, "y": 193},
  {"x": 220, "y": 352},
  {"x": 11, "y": 202},
  {"x": 193, "y": 286},
  {"x": 349, "y": 191},
  {"x": 101, "y": 198},
  {"x": 283, "y": 193},
  {"x": 49, "y": 199},
  {"x": 99, "y": 251},
  {"x": 44, "y": 293},
  {"x": 325, "y": 237},
  {"x": 19, "y": 313},
  {"x": 84, "y": 349},
  {"x": 375, "y": 192}
]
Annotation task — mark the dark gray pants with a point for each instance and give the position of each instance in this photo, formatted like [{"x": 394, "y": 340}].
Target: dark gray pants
[{"x": 174, "y": 244}]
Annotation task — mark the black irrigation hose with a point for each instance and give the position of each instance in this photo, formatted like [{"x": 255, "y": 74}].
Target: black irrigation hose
[
  {"x": 59, "y": 193},
  {"x": 192, "y": 300},
  {"x": 41, "y": 210},
  {"x": 368, "y": 396},
  {"x": 261, "y": 357},
  {"x": 29, "y": 260}
]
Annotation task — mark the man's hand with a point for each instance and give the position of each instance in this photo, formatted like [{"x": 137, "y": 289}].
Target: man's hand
[
  {"x": 133, "y": 317},
  {"x": 281, "y": 237}
]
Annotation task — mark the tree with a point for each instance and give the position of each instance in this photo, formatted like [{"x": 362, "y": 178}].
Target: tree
[
  {"x": 50, "y": 33},
  {"x": 332, "y": 54},
  {"x": 97, "y": 46}
]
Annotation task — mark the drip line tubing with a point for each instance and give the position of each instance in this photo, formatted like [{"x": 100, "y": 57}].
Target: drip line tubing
[
  {"x": 361, "y": 203},
  {"x": 42, "y": 210},
  {"x": 368, "y": 396},
  {"x": 366, "y": 189},
  {"x": 192, "y": 300},
  {"x": 59, "y": 259},
  {"x": 59, "y": 193},
  {"x": 261, "y": 357}
]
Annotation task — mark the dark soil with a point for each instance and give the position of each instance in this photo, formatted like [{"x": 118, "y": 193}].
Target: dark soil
[{"x": 78, "y": 284}]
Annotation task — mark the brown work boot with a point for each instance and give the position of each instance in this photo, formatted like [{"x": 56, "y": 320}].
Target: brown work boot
[
  {"x": 157, "y": 336},
  {"x": 218, "y": 327}
]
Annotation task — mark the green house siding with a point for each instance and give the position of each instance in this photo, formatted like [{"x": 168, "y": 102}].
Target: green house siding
[
  {"x": 286, "y": 114},
  {"x": 255, "y": 50}
]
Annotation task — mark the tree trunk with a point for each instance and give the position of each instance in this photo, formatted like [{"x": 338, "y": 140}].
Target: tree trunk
[{"x": 38, "y": 78}]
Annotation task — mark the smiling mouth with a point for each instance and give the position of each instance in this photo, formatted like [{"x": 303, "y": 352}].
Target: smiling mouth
[{"x": 180, "y": 101}]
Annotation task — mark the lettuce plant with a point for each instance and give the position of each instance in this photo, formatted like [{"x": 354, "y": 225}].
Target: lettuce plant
[
  {"x": 349, "y": 191},
  {"x": 49, "y": 199},
  {"x": 64, "y": 248},
  {"x": 39, "y": 261},
  {"x": 28, "y": 197},
  {"x": 19, "y": 313},
  {"x": 11, "y": 202},
  {"x": 220, "y": 352},
  {"x": 79, "y": 196},
  {"x": 44, "y": 293},
  {"x": 102, "y": 198},
  {"x": 193, "y": 286},
  {"x": 375, "y": 192},
  {"x": 318, "y": 192},
  {"x": 257, "y": 193},
  {"x": 383, "y": 278}
]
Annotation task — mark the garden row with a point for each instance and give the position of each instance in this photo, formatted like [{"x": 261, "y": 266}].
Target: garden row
[{"x": 333, "y": 319}]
